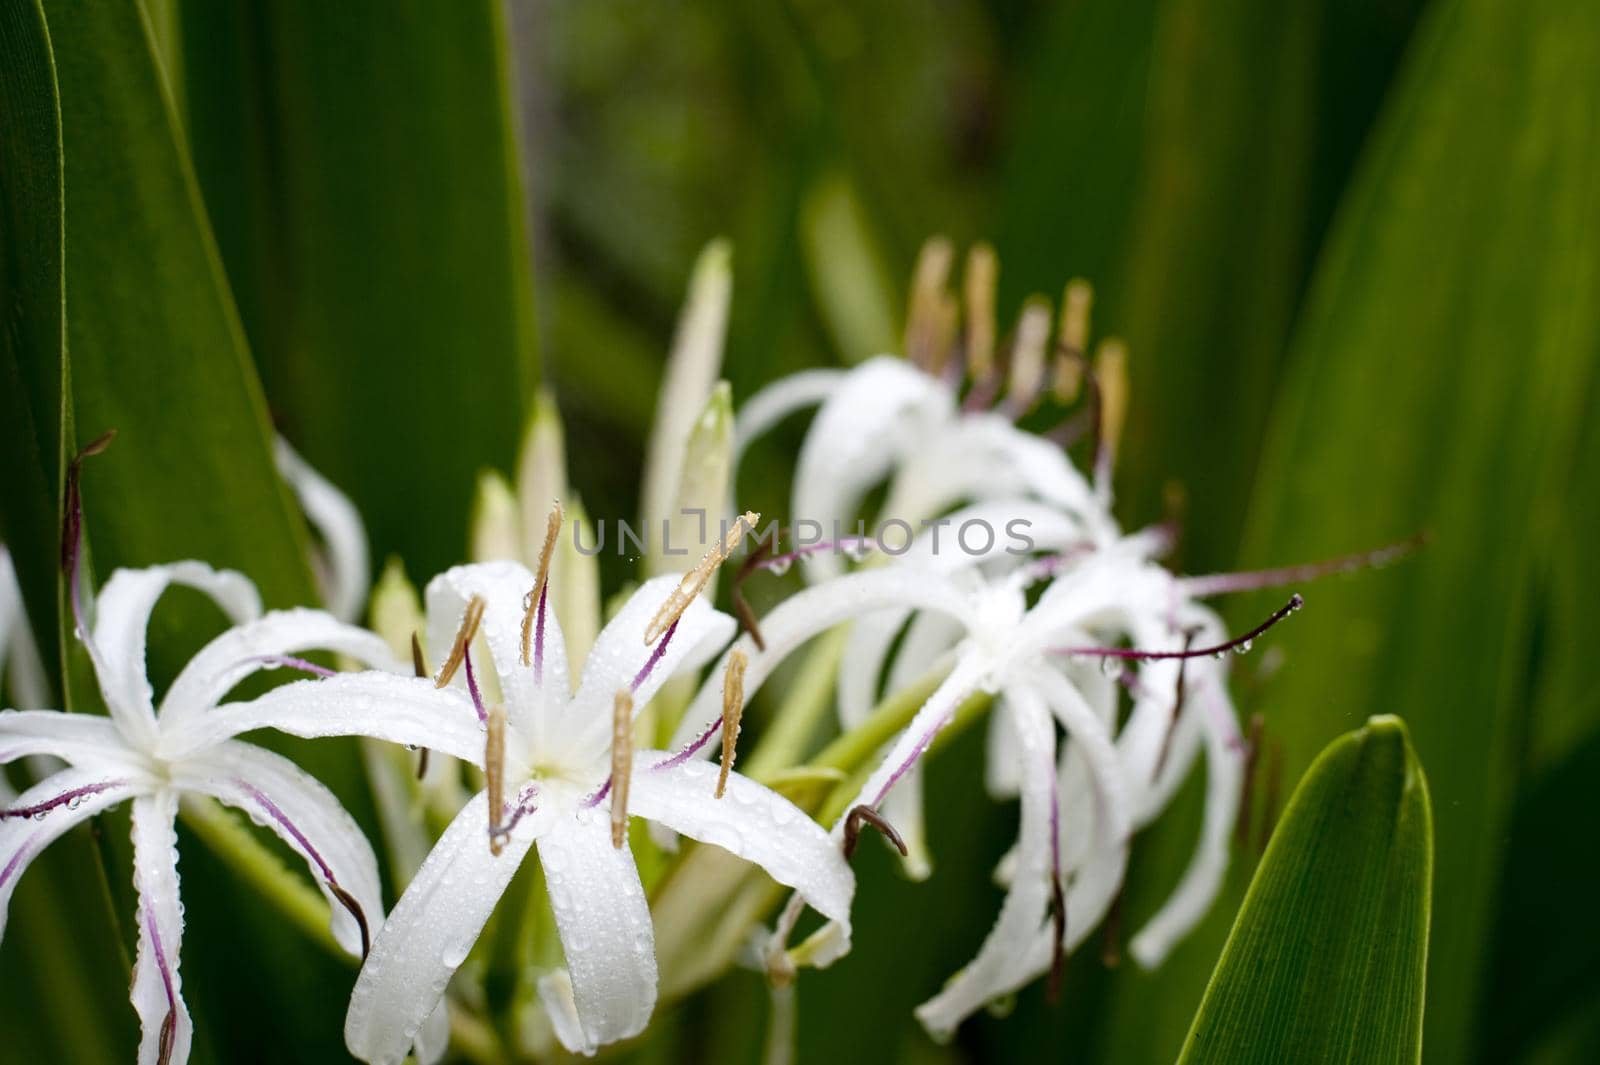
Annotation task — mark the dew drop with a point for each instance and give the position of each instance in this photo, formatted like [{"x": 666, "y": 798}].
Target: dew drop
[
  {"x": 1219, "y": 655},
  {"x": 780, "y": 566},
  {"x": 75, "y": 802},
  {"x": 40, "y": 815},
  {"x": 1110, "y": 665},
  {"x": 1244, "y": 647}
]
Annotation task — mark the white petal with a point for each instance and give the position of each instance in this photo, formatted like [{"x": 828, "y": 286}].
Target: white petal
[
  {"x": 531, "y": 696},
  {"x": 279, "y": 795},
  {"x": 344, "y": 570},
  {"x": 884, "y": 410},
  {"x": 751, "y": 821},
  {"x": 1202, "y": 881},
  {"x": 997, "y": 968},
  {"x": 20, "y": 663},
  {"x": 1002, "y": 766},
  {"x": 122, "y": 616},
  {"x": 406, "y": 710},
  {"x": 620, "y": 655},
  {"x": 22, "y": 838},
  {"x": 771, "y": 405},
  {"x": 428, "y": 935},
  {"x": 604, "y": 923},
  {"x": 814, "y": 610},
  {"x": 157, "y": 992},
  {"x": 433, "y": 1039},
  {"x": 221, "y": 664},
  {"x": 86, "y": 739}
]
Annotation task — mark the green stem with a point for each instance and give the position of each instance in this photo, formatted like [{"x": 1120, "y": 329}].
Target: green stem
[{"x": 239, "y": 849}]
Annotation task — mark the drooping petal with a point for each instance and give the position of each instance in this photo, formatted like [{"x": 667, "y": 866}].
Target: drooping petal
[
  {"x": 621, "y": 660},
  {"x": 122, "y": 617},
  {"x": 996, "y": 970},
  {"x": 81, "y": 739},
  {"x": 751, "y": 821},
  {"x": 280, "y": 796},
  {"x": 814, "y": 610},
  {"x": 221, "y": 664},
  {"x": 882, "y": 410},
  {"x": 1002, "y": 755},
  {"x": 157, "y": 994},
  {"x": 428, "y": 935},
  {"x": 532, "y": 693},
  {"x": 344, "y": 570},
  {"x": 56, "y": 804},
  {"x": 433, "y": 1039},
  {"x": 20, "y": 664},
  {"x": 406, "y": 710},
  {"x": 606, "y": 935},
  {"x": 774, "y": 403}
]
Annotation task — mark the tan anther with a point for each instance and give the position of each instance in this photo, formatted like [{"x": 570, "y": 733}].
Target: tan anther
[
  {"x": 732, "y": 710},
  {"x": 464, "y": 635},
  {"x": 494, "y": 769},
  {"x": 552, "y": 532},
  {"x": 931, "y": 316},
  {"x": 621, "y": 765},
  {"x": 1111, "y": 374},
  {"x": 1028, "y": 355},
  {"x": 982, "y": 272},
  {"x": 1076, "y": 303},
  {"x": 695, "y": 580}
]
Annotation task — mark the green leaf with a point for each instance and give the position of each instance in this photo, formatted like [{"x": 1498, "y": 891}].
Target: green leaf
[
  {"x": 1442, "y": 372},
  {"x": 360, "y": 167},
  {"x": 1326, "y": 960}
]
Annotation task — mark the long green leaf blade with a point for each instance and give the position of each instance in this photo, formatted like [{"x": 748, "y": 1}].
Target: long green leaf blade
[{"x": 1327, "y": 958}]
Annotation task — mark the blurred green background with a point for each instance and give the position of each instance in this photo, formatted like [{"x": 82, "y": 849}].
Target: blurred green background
[{"x": 1354, "y": 248}]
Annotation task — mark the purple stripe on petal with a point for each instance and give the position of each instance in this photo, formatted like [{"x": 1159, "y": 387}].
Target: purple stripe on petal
[
  {"x": 911, "y": 759},
  {"x": 655, "y": 657},
  {"x": 291, "y": 662},
  {"x": 289, "y": 826},
  {"x": 70, "y": 798},
  {"x": 169, "y": 1023},
  {"x": 538, "y": 633},
  {"x": 675, "y": 760},
  {"x": 598, "y": 797},
  {"x": 23, "y": 854}
]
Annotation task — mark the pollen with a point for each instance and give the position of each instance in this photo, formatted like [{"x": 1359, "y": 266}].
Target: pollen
[
  {"x": 621, "y": 764},
  {"x": 494, "y": 770},
  {"x": 732, "y": 711},
  {"x": 464, "y": 635},
  {"x": 535, "y": 600},
  {"x": 695, "y": 580}
]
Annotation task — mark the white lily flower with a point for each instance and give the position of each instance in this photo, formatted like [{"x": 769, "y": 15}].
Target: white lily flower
[
  {"x": 556, "y": 771},
  {"x": 152, "y": 755}
]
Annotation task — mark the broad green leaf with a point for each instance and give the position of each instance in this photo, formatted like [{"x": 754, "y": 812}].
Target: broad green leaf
[
  {"x": 1327, "y": 959},
  {"x": 1441, "y": 374},
  {"x": 360, "y": 167}
]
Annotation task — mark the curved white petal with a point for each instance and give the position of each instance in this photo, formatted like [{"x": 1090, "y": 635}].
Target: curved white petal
[
  {"x": 605, "y": 929},
  {"x": 996, "y": 970},
  {"x": 814, "y": 610},
  {"x": 883, "y": 410},
  {"x": 433, "y": 1039},
  {"x": 20, "y": 663},
  {"x": 533, "y": 693},
  {"x": 1002, "y": 765},
  {"x": 428, "y": 935},
  {"x": 344, "y": 569},
  {"x": 157, "y": 993},
  {"x": 71, "y": 797},
  {"x": 751, "y": 821},
  {"x": 122, "y": 617},
  {"x": 620, "y": 656},
  {"x": 774, "y": 403},
  {"x": 280, "y": 796},
  {"x": 245, "y": 649},
  {"x": 406, "y": 710},
  {"x": 82, "y": 739}
]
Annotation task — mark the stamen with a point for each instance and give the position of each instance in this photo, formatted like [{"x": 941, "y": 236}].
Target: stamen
[
  {"x": 72, "y": 531},
  {"x": 419, "y": 666},
  {"x": 621, "y": 765},
  {"x": 472, "y": 687},
  {"x": 494, "y": 771},
  {"x": 1252, "y": 755},
  {"x": 855, "y": 547},
  {"x": 1028, "y": 356},
  {"x": 655, "y": 658},
  {"x": 864, "y": 814},
  {"x": 1251, "y": 580},
  {"x": 981, "y": 274},
  {"x": 741, "y": 606},
  {"x": 1111, "y": 377},
  {"x": 291, "y": 662},
  {"x": 464, "y": 635},
  {"x": 169, "y": 1023},
  {"x": 1239, "y": 644},
  {"x": 931, "y": 316},
  {"x": 696, "y": 579},
  {"x": 688, "y": 752},
  {"x": 72, "y": 799},
  {"x": 1058, "y": 897},
  {"x": 1073, "y": 340},
  {"x": 535, "y": 603},
  {"x": 732, "y": 710},
  {"x": 348, "y": 901},
  {"x": 1177, "y": 708}
]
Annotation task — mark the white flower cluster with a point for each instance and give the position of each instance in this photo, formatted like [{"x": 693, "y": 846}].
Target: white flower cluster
[{"x": 1056, "y": 639}]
